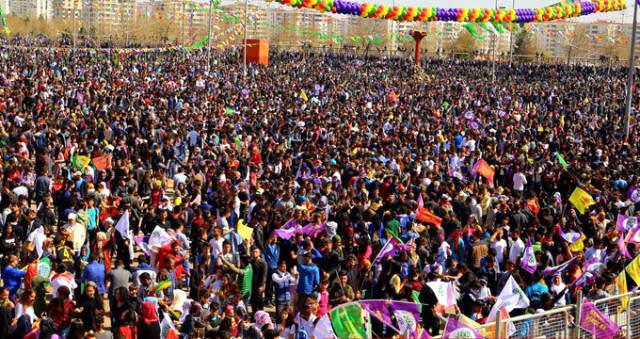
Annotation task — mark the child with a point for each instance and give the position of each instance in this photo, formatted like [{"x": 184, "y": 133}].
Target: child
[{"x": 323, "y": 298}]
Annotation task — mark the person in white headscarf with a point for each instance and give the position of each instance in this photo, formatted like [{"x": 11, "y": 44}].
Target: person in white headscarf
[{"x": 558, "y": 290}]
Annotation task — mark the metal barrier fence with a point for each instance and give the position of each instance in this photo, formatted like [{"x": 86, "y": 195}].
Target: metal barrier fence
[{"x": 562, "y": 322}]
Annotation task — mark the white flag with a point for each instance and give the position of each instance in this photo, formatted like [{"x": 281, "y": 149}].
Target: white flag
[
  {"x": 445, "y": 292},
  {"x": 511, "y": 297},
  {"x": 159, "y": 237},
  {"x": 123, "y": 225}
]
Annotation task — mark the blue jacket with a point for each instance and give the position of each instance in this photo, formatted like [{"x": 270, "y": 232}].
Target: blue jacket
[
  {"x": 95, "y": 272},
  {"x": 309, "y": 278},
  {"x": 12, "y": 278},
  {"x": 271, "y": 255}
]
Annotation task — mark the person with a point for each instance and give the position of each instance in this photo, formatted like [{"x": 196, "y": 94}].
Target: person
[
  {"x": 122, "y": 313},
  {"x": 308, "y": 280},
  {"x": 60, "y": 310},
  {"x": 11, "y": 276},
  {"x": 88, "y": 305},
  {"x": 283, "y": 282},
  {"x": 95, "y": 272},
  {"x": 148, "y": 325},
  {"x": 259, "y": 283},
  {"x": 24, "y": 306}
]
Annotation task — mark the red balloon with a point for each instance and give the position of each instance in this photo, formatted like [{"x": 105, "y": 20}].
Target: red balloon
[{"x": 333, "y": 9}]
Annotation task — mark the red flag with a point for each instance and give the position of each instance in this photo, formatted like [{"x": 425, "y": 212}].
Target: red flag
[
  {"x": 102, "y": 162},
  {"x": 427, "y": 216}
]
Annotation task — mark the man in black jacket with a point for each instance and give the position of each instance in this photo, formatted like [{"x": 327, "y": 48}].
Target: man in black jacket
[
  {"x": 429, "y": 301},
  {"x": 260, "y": 269}
]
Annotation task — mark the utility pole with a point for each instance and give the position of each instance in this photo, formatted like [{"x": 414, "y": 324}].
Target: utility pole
[
  {"x": 632, "y": 56},
  {"x": 511, "y": 37},
  {"x": 73, "y": 17},
  {"x": 209, "y": 37},
  {"x": 246, "y": 23},
  {"x": 493, "y": 64},
  {"x": 184, "y": 4}
]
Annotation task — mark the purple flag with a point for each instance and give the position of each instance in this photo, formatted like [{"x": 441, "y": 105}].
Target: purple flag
[
  {"x": 595, "y": 322},
  {"x": 625, "y": 223},
  {"x": 389, "y": 248},
  {"x": 558, "y": 268},
  {"x": 528, "y": 261},
  {"x": 622, "y": 246},
  {"x": 406, "y": 247},
  {"x": 634, "y": 194},
  {"x": 379, "y": 309},
  {"x": 634, "y": 235},
  {"x": 593, "y": 265},
  {"x": 288, "y": 230},
  {"x": 142, "y": 243},
  {"x": 312, "y": 229},
  {"x": 456, "y": 329},
  {"x": 571, "y": 236}
]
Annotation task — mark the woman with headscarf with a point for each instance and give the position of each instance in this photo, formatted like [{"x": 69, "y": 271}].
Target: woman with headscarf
[{"x": 148, "y": 326}]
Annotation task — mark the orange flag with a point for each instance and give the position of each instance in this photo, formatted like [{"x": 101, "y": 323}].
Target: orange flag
[
  {"x": 481, "y": 167},
  {"x": 102, "y": 162},
  {"x": 425, "y": 215}
]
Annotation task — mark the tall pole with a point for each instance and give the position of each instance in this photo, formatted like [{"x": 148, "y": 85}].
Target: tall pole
[
  {"x": 73, "y": 17},
  {"x": 493, "y": 64},
  {"x": 511, "y": 37},
  {"x": 244, "y": 45},
  {"x": 632, "y": 56},
  {"x": 184, "y": 4},
  {"x": 209, "y": 37}
]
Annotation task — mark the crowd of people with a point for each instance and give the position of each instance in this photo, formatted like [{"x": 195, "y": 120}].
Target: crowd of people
[{"x": 347, "y": 147}]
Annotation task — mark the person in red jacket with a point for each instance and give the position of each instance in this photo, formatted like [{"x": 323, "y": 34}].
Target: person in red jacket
[
  {"x": 60, "y": 310},
  {"x": 171, "y": 251}
]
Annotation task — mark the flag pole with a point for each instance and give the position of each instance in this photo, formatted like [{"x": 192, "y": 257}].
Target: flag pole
[
  {"x": 511, "y": 37},
  {"x": 246, "y": 23},
  {"x": 632, "y": 56},
  {"x": 493, "y": 64},
  {"x": 209, "y": 37}
]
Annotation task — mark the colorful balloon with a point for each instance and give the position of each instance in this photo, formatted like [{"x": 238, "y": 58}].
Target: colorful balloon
[{"x": 402, "y": 13}]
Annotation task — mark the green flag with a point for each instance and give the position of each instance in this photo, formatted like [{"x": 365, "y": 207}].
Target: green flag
[
  {"x": 499, "y": 27},
  {"x": 230, "y": 111},
  {"x": 3, "y": 22},
  {"x": 473, "y": 30},
  {"x": 79, "y": 162},
  {"x": 561, "y": 160},
  {"x": 348, "y": 321},
  {"x": 247, "y": 280},
  {"x": 199, "y": 44}
]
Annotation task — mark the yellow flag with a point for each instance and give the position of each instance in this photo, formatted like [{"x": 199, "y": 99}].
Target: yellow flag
[
  {"x": 581, "y": 200},
  {"x": 303, "y": 95},
  {"x": 619, "y": 287},
  {"x": 578, "y": 245},
  {"x": 633, "y": 270},
  {"x": 245, "y": 231}
]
